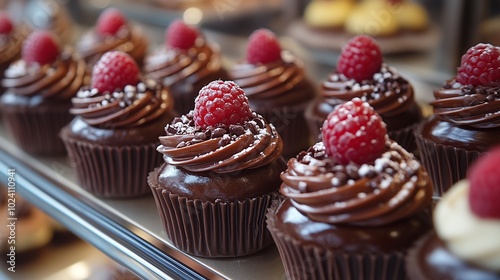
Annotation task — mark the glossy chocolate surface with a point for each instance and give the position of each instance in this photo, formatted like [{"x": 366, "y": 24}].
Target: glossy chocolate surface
[
  {"x": 211, "y": 186},
  {"x": 398, "y": 236},
  {"x": 465, "y": 137},
  {"x": 431, "y": 260}
]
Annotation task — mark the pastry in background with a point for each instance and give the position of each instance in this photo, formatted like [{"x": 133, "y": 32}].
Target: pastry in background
[
  {"x": 38, "y": 91},
  {"x": 354, "y": 202},
  {"x": 277, "y": 87},
  {"x": 113, "y": 31},
  {"x": 221, "y": 173},
  {"x": 32, "y": 230},
  {"x": 362, "y": 73},
  {"x": 12, "y": 36},
  {"x": 465, "y": 243},
  {"x": 52, "y": 16},
  {"x": 112, "y": 140},
  {"x": 328, "y": 15},
  {"x": 374, "y": 18},
  {"x": 465, "y": 122},
  {"x": 185, "y": 63}
]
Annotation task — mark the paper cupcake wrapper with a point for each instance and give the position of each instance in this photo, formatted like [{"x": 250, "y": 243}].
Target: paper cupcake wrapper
[
  {"x": 445, "y": 164},
  {"x": 291, "y": 125},
  {"x": 404, "y": 137},
  {"x": 35, "y": 130},
  {"x": 113, "y": 171},
  {"x": 206, "y": 229},
  {"x": 313, "y": 262}
]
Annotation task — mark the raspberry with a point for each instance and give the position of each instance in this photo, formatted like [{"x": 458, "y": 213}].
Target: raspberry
[
  {"x": 484, "y": 179},
  {"x": 263, "y": 47},
  {"x": 480, "y": 65},
  {"x": 354, "y": 132},
  {"x": 221, "y": 102},
  {"x": 181, "y": 36},
  {"x": 40, "y": 47},
  {"x": 110, "y": 21},
  {"x": 114, "y": 71},
  {"x": 5, "y": 24},
  {"x": 360, "y": 58}
]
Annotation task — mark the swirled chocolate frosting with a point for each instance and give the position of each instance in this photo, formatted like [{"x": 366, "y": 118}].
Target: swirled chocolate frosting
[
  {"x": 274, "y": 82},
  {"x": 171, "y": 65},
  {"x": 220, "y": 149},
  {"x": 461, "y": 105},
  {"x": 387, "y": 92},
  {"x": 59, "y": 80},
  {"x": 130, "y": 40},
  {"x": 391, "y": 188},
  {"x": 10, "y": 46},
  {"x": 134, "y": 106}
]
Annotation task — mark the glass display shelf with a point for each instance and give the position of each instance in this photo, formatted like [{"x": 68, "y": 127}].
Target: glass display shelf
[{"x": 128, "y": 231}]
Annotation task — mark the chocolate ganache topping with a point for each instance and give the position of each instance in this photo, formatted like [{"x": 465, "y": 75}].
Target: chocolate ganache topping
[
  {"x": 10, "y": 46},
  {"x": 395, "y": 186},
  {"x": 273, "y": 80},
  {"x": 220, "y": 149},
  {"x": 171, "y": 65},
  {"x": 135, "y": 106},
  {"x": 461, "y": 105},
  {"x": 58, "y": 80},
  {"x": 130, "y": 40},
  {"x": 387, "y": 92}
]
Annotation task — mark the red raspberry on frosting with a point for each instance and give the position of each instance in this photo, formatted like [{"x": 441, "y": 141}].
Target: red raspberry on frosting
[
  {"x": 114, "y": 71},
  {"x": 360, "y": 58},
  {"x": 484, "y": 179},
  {"x": 5, "y": 24},
  {"x": 110, "y": 21},
  {"x": 40, "y": 47},
  {"x": 221, "y": 102},
  {"x": 480, "y": 65},
  {"x": 263, "y": 47},
  {"x": 181, "y": 36},
  {"x": 354, "y": 132}
]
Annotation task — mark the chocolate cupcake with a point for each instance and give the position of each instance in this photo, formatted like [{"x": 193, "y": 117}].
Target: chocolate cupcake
[
  {"x": 38, "y": 92},
  {"x": 351, "y": 210},
  {"x": 277, "y": 87},
  {"x": 185, "y": 63},
  {"x": 11, "y": 39},
  {"x": 465, "y": 123},
  {"x": 113, "y": 33},
  {"x": 361, "y": 73},
  {"x": 112, "y": 140},
  {"x": 221, "y": 173},
  {"x": 467, "y": 225}
]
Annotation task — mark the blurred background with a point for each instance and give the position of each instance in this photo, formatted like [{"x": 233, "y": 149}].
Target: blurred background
[{"x": 426, "y": 48}]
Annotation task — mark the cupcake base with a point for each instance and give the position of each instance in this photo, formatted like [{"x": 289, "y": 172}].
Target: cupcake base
[
  {"x": 446, "y": 163},
  {"x": 33, "y": 126},
  {"x": 213, "y": 229},
  {"x": 313, "y": 250}
]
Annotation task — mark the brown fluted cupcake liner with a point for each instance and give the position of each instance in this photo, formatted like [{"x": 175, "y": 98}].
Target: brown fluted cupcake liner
[
  {"x": 445, "y": 164},
  {"x": 291, "y": 125},
  {"x": 36, "y": 130},
  {"x": 311, "y": 262},
  {"x": 403, "y": 137},
  {"x": 213, "y": 229},
  {"x": 113, "y": 171}
]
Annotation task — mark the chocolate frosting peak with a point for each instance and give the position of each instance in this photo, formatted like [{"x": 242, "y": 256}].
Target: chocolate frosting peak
[
  {"x": 273, "y": 80},
  {"x": 58, "y": 80},
  {"x": 387, "y": 92},
  {"x": 130, "y": 40},
  {"x": 220, "y": 149},
  {"x": 476, "y": 107},
  {"x": 395, "y": 186},
  {"x": 135, "y": 106},
  {"x": 171, "y": 65}
]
